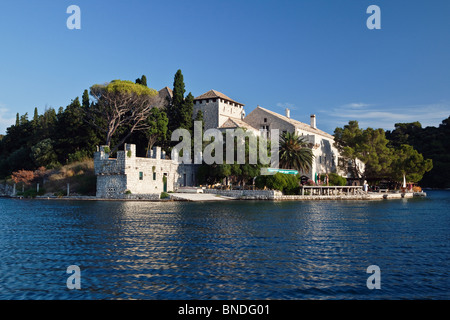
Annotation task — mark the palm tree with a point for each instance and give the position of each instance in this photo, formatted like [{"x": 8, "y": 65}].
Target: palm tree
[{"x": 295, "y": 152}]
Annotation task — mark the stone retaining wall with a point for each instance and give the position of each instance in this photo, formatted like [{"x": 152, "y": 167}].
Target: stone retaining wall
[
  {"x": 246, "y": 194},
  {"x": 6, "y": 190},
  {"x": 278, "y": 195}
]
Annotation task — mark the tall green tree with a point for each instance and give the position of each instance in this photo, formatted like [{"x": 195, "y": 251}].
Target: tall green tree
[
  {"x": 85, "y": 100},
  {"x": 409, "y": 162},
  {"x": 350, "y": 144},
  {"x": 35, "y": 116},
  {"x": 142, "y": 80},
  {"x": 180, "y": 110}
]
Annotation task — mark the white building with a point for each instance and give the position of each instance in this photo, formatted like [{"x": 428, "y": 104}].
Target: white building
[
  {"x": 326, "y": 156},
  {"x": 222, "y": 112}
]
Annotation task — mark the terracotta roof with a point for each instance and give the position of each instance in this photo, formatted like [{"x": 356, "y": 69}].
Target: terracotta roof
[
  {"x": 211, "y": 94},
  {"x": 236, "y": 123},
  {"x": 167, "y": 91},
  {"x": 298, "y": 124}
]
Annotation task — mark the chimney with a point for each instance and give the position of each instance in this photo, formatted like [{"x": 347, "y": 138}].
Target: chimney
[
  {"x": 288, "y": 113},
  {"x": 313, "y": 121}
]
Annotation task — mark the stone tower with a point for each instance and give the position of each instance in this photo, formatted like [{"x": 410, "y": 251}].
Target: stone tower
[{"x": 217, "y": 108}]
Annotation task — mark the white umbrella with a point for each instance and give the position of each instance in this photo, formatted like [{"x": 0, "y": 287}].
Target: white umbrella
[{"x": 404, "y": 181}]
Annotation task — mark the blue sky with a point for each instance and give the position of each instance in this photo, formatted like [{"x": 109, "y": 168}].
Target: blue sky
[{"x": 313, "y": 56}]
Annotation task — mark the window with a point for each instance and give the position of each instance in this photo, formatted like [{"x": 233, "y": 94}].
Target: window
[
  {"x": 320, "y": 159},
  {"x": 265, "y": 120},
  {"x": 141, "y": 176},
  {"x": 154, "y": 175}
]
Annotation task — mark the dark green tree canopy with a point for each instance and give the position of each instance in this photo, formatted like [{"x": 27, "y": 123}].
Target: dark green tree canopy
[{"x": 381, "y": 158}]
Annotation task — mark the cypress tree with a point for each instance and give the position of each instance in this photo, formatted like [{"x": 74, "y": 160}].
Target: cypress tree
[
  {"x": 186, "y": 112},
  {"x": 36, "y": 116},
  {"x": 175, "y": 108},
  {"x": 85, "y": 99},
  {"x": 17, "y": 119},
  {"x": 144, "y": 80}
]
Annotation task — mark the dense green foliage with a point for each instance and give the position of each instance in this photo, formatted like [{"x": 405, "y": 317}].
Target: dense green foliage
[
  {"x": 289, "y": 184},
  {"x": 383, "y": 159},
  {"x": 432, "y": 143},
  {"x": 180, "y": 110},
  {"x": 334, "y": 179},
  {"x": 49, "y": 139}
]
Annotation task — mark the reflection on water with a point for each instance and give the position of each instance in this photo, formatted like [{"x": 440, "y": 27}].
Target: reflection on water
[{"x": 232, "y": 250}]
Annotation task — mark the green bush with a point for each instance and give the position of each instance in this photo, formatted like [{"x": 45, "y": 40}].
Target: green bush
[
  {"x": 31, "y": 193},
  {"x": 287, "y": 183},
  {"x": 276, "y": 181},
  {"x": 164, "y": 195},
  {"x": 292, "y": 184},
  {"x": 78, "y": 156},
  {"x": 334, "y": 179},
  {"x": 260, "y": 182}
]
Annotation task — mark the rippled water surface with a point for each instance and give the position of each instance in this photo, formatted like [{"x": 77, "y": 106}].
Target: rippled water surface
[{"x": 226, "y": 250}]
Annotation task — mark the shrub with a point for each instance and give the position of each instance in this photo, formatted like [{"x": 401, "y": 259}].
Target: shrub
[
  {"x": 78, "y": 156},
  {"x": 260, "y": 182},
  {"x": 276, "y": 181},
  {"x": 292, "y": 184},
  {"x": 334, "y": 179},
  {"x": 164, "y": 195},
  {"x": 287, "y": 183}
]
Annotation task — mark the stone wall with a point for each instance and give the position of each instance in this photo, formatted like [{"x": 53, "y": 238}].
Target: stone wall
[
  {"x": 210, "y": 112},
  {"x": 6, "y": 190},
  {"x": 129, "y": 174},
  {"x": 217, "y": 111},
  {"x": 246, "y": 194}
]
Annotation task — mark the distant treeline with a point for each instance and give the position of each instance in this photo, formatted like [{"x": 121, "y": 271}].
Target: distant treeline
[{"x": 51, "y": 139}]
